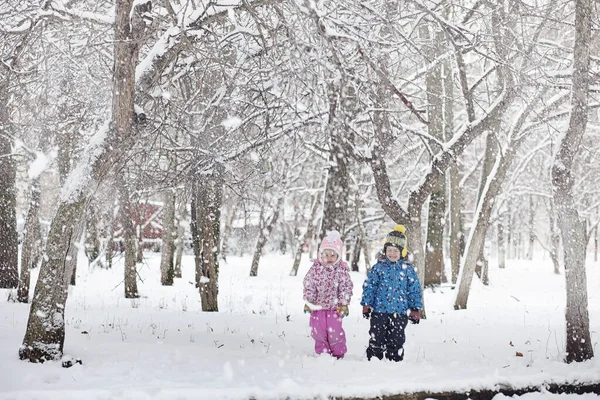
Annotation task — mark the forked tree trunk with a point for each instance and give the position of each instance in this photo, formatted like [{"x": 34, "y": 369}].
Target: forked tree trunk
[
  {"x": 167, "y": 267},
  {"x": 31, "y": 243},
  {"x": 485, "y": 205},
  {"x": 209, "y": 199},
  {"x": 579, "y": 344}
]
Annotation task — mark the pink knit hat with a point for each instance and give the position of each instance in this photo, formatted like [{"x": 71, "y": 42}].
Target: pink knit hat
[{"x": 332, "y": 241}]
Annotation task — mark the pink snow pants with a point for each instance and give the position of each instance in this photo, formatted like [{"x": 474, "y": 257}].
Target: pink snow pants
[{"x": 326, "y": 330}]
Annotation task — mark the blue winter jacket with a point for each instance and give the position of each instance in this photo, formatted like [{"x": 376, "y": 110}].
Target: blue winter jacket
[{"x": 392, "y": 288}]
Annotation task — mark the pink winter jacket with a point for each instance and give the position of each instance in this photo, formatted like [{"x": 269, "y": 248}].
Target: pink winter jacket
[{"x": 328, "y": 286}]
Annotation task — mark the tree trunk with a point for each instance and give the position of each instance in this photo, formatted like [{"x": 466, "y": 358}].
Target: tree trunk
[
  {"x": 139, "y": 256},
  {"x": 209, "y": 199},
  {"x": 167, "y": 268},
  {"x": 73, "y": 253},
  {"x": 229, "y": 217},
  {"x": 434, "y": 254},
  {"x": 45, "y": 334},
  {"x": 355, "y": 254},
  {"x": 337, "y": 191},
  {"x": 531, "y": 228},
  {"x": 129, "y": 238},
  {"x": 501, "y": 243},
  {"x": 196, "y": 232},
  {"x": 491, "y": 152},
  {"x": 110, "y": 240},
  {"x": 554, "y": 238},
  {"x": 31, "y": 243},
  {"x": 310, "y": 229},
  {"x": 488, "y": 193},
  {"x": 263, "y": 235},
  {"x": 9, "y": 263},
  {"x": 362, "y": 236},
  {"x": 92, "y": 239},
  {"x": 579, "y": 345},
  {"x": 179, "y": 242}
]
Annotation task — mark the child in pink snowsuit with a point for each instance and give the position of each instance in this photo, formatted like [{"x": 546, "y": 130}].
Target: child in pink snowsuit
[{"x": 327, "y": 292}]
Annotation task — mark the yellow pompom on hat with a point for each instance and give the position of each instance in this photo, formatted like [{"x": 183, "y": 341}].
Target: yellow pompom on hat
[{"x": 397, "y": 238}]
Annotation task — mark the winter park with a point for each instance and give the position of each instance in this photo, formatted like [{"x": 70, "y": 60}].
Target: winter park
[{"x": 298, "y": 199}]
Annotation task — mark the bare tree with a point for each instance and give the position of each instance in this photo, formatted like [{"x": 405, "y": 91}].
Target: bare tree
[
  {"x": 579, "y": 344},
  {"x": 45, "y": 334}
]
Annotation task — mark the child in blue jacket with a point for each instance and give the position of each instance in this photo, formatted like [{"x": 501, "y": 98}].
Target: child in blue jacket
[{"x": 391, "y": 297}]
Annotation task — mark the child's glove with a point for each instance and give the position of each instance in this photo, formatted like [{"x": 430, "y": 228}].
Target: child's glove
[
  {"x": 342, "y": 310},
  {"x": 307, "y": 309},
  {"x": 366, "y": 312},
  {"x": 414, "y": 316}
]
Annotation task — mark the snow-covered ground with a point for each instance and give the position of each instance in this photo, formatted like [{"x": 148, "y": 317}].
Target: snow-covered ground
[{"x": 162, "y": 346}]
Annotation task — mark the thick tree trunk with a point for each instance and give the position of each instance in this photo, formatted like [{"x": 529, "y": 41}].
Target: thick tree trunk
[
  {"x": 167, "y": 267},
  {"x": 579, "y": 344},
  {"x": 128, "y": 237},
  {"x": 45, "y": 334},
  {"x": 209, "y": 199},
  {"x": 336, "y": 189},
  {"x": 31, "y": 243},
  {"x": 263, "y": 235}
]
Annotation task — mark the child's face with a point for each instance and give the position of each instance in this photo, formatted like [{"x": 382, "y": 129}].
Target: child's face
[
  {"x": 393, "y": 253},
  {"x": 329, "y": 257}
]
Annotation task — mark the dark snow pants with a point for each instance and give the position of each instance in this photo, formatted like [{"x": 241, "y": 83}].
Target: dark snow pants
[{"x": 387, "y": 336}]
